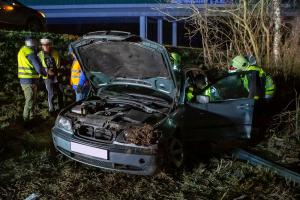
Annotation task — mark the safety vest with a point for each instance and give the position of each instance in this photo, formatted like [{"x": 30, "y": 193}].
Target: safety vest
[
  {"x": 54, "y": 54},
  {"x": 212, "y": 93},
  {"x": 75, "y": 73},
  {"x": 25, "y": 68},
  {"x": 269, "y": 84},
  {"x": 189, "y": 94}
]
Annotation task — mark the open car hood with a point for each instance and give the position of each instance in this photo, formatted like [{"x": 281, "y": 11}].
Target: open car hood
[{"x": 142, "y": 63}]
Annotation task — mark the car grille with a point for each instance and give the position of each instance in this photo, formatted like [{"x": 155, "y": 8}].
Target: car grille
[
  {"x": 92, "y": 161},
  {"x": 90, "y": 132}
]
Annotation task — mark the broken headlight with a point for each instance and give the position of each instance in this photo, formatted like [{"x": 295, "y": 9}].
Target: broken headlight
[{"x": 64, "y": 124}]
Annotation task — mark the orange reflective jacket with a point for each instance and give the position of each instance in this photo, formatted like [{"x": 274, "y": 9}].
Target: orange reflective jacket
[{"x": 75, "y": 73}]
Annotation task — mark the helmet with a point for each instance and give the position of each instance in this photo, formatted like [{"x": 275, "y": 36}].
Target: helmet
[
  {"x": 176, "y": 58},
  {"x": 31, "y": 42},
  {"x": 45, "y": 41},
  {"x": 237, "y": 64}
]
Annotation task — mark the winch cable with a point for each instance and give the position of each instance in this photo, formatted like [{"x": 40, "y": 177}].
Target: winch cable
[{"x": 258, "y": 161}]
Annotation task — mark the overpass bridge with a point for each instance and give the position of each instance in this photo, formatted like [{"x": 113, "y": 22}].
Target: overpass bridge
[
  {"x": 62, "y": 11},
  {"x": 122, "y": 10}
]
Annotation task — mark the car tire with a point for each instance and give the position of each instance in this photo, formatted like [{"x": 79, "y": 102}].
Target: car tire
[
  {"x": 175, "y": 153},
  {"x": 34, "y": 25}
]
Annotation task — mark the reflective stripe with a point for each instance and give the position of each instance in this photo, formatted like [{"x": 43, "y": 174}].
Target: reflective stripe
[
  {"x": 27, "y": 72},
  {"x": 29, "y": 76},
  {"x": 76, "y": 71},
  {"x": 23, "y": 68},
  {"x": 24, "y": 73},
  {"x": 270, "y": 86}
]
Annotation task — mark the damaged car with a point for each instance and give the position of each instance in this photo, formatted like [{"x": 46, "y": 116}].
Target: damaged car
[{"x": 136, "y": 117}]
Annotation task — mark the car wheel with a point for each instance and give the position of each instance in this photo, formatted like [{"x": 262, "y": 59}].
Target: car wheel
[
  {"x": 175, "y": 153},
  {"x": 34, "y": 25}
]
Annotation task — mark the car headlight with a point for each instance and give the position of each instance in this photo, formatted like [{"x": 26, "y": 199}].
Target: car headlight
[
  {"x": 42, "y": 14},
  {"x": 64, "y": 124}
]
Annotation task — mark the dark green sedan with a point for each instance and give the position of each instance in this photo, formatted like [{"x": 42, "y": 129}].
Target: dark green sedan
[{"x": 136, "y": 117}]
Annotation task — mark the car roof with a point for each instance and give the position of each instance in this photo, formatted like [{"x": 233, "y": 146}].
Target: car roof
[{"x": 113, "y": 36}]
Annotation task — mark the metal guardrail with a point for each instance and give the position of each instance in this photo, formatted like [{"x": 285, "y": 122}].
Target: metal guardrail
[{"x": 258, "y": 161}]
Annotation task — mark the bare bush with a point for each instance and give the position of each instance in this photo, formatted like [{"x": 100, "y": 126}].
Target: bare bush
[{"x": 248, "y": 27}]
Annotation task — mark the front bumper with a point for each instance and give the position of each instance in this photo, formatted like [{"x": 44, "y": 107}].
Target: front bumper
[{"x": 124, "y": 158}]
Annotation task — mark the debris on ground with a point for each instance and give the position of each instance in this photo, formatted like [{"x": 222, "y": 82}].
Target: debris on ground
[{"x": 144, "y": 135}]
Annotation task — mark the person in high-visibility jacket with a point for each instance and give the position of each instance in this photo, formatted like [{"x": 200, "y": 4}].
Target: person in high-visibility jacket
[
  {"x": 198, "y": 81},
  {"x": 78, "y": 80},
  {"x": 240, "y": 63},
  {"x": 29, "y": 71},
  {"x": 51, "y": 62},
  {"x": 176, "y": 60}
]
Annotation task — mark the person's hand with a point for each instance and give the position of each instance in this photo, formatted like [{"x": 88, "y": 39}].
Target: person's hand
[
  {"x": 50, "y": 72},
  {"x": 79, "y": 89}
]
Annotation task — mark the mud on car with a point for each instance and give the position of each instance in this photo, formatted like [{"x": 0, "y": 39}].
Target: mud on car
[{"x": 136, "y": 118}]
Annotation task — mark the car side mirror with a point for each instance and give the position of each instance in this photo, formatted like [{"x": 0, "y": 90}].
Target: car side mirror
[{"x": 202, "y": 99}]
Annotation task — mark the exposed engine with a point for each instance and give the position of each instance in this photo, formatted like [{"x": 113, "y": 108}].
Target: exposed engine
[{"x": 113, "y": 121}]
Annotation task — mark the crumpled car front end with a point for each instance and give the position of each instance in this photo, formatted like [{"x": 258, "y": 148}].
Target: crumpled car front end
[
  {"x": 118, "y": 127},
  {"x": 110, "y": 135}
]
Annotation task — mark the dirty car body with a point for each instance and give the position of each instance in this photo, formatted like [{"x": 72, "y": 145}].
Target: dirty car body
[{"x": 136, "y": 118}]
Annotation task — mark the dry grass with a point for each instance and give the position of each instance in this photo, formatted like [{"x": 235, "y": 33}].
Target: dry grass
[
  {"x": 55, "y": 177},
  {"x": 144, "y": 135}
]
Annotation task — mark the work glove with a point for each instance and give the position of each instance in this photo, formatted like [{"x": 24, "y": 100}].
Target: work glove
[
  {"x": 50, "y": 72},
  {"x": 79, "y": 89}
]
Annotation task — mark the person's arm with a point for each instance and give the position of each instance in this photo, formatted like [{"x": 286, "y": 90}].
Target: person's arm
[
  {"x": 82, "y": 79},
  {"x": 35, "y": 61},
  {"x": 57, "y": 61}
]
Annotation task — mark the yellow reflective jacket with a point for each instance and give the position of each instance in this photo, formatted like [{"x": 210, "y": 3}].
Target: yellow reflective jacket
[
  {"x": 75, "y": 73},
  {"x": 54, "y": 54},
  {"x": 269, "y": 84},
  {"x": 25, "y": 68}
]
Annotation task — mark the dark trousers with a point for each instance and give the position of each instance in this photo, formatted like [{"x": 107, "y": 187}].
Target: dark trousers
[
  {"x": 52, "y": 88},
  {"x": 30, "y": 91}
]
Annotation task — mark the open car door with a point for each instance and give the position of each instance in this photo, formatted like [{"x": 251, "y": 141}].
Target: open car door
[{"x": 227, "y": 113}]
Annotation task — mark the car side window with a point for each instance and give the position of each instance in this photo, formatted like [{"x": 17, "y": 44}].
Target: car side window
[
  {"x": 196, "y": 81},
  {"x": 230, "y": 87}
]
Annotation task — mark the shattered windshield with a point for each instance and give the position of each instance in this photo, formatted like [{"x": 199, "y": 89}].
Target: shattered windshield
[{"x": 104, "y": 61}]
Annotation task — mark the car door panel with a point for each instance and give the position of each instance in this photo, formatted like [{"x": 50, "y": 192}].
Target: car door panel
[
  {"x": 228, "y": 114},
  {"x": 222, "y": 120}
]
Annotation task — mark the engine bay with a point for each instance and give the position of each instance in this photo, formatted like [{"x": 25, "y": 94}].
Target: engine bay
[{"x": 113, "y": 121}]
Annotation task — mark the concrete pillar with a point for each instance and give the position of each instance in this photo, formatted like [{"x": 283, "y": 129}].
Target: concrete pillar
[
  {"x": 174, "y": 33},
  {"x": 143, "y": 26},
  {"x": 160, "y": 30}
]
